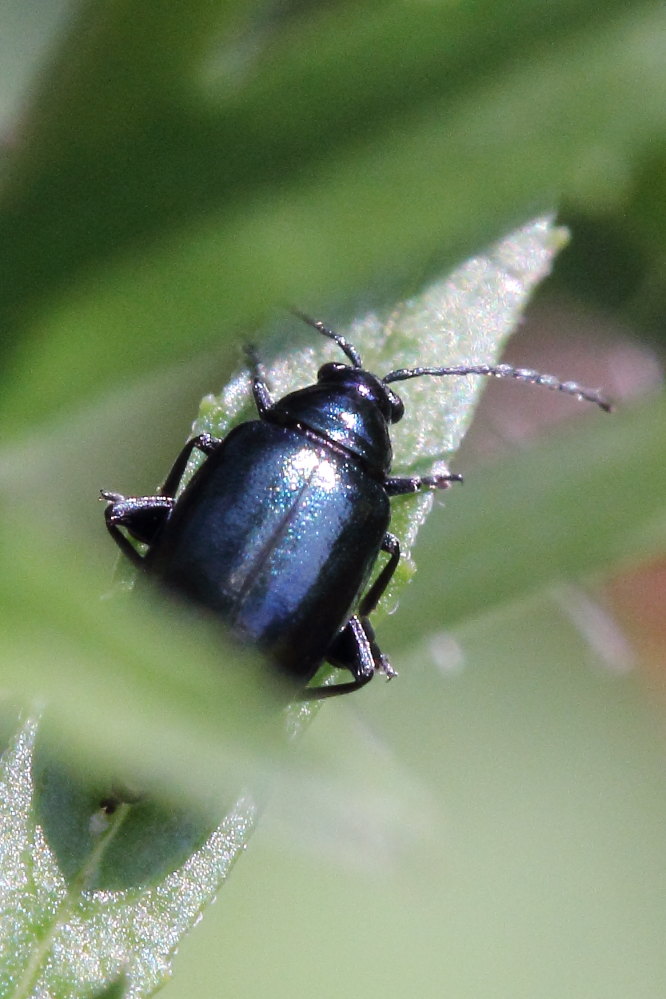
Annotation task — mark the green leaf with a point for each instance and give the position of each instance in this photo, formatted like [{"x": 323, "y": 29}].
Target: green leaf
[
  {"x": 115, "y": 990},
  {"x": 154, "y": 839},
  {"x": 152, "y": 707},
  {"x": 67, "y": 937}
]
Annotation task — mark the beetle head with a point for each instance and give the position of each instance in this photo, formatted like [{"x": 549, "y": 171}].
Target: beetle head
[{"x": 366, "y": 385}]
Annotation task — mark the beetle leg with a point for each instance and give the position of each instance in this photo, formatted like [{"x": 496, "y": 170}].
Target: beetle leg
[
  {"x": 140, "y": 516},
  {"x": 352, "y": 649},
  {"x": 202, "y": 442},
  {"x": 382, "y": 662},
  {"x": 369, "y": 602},
  {"x": 260, "y": 390},
  {"x": 126, "y": 548},
  {"x": 355, "y": 649},
  {"x": 412, "y": 484},
  {"x": 143, "y": 516}
]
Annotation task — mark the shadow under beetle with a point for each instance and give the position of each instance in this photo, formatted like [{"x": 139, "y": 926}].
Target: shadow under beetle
[{"x": 278, "y": 531}]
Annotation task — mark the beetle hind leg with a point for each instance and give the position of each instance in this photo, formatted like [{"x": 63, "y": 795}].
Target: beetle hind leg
[{"x": 354, "y": 649}]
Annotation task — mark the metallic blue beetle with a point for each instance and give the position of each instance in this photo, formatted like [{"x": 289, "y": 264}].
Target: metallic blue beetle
[{"x": 279, "y": 530}]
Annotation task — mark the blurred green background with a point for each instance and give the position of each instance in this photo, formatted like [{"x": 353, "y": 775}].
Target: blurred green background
[{"x": 170, "y": 177}]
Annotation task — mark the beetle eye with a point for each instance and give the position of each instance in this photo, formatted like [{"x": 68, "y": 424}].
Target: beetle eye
[
  {"x": 397, "y": 406},
  {"x": 330, "y": 372}
]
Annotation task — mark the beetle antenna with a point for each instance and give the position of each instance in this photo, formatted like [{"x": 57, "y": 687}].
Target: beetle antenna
[
  {"x": 345, "y": 346},
  {"x": 506, "y": 371}
]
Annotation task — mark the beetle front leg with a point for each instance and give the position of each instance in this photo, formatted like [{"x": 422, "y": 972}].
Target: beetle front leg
[
  {"x": 402, "y": 485},
  {"x": 260, "y": 390}
]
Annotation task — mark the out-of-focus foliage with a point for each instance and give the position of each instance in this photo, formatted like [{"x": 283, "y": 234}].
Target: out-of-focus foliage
[{"x": 170, "y": 177}]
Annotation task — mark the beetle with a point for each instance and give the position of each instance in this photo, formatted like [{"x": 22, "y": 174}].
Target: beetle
[{"x": 279, "y": 530}]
